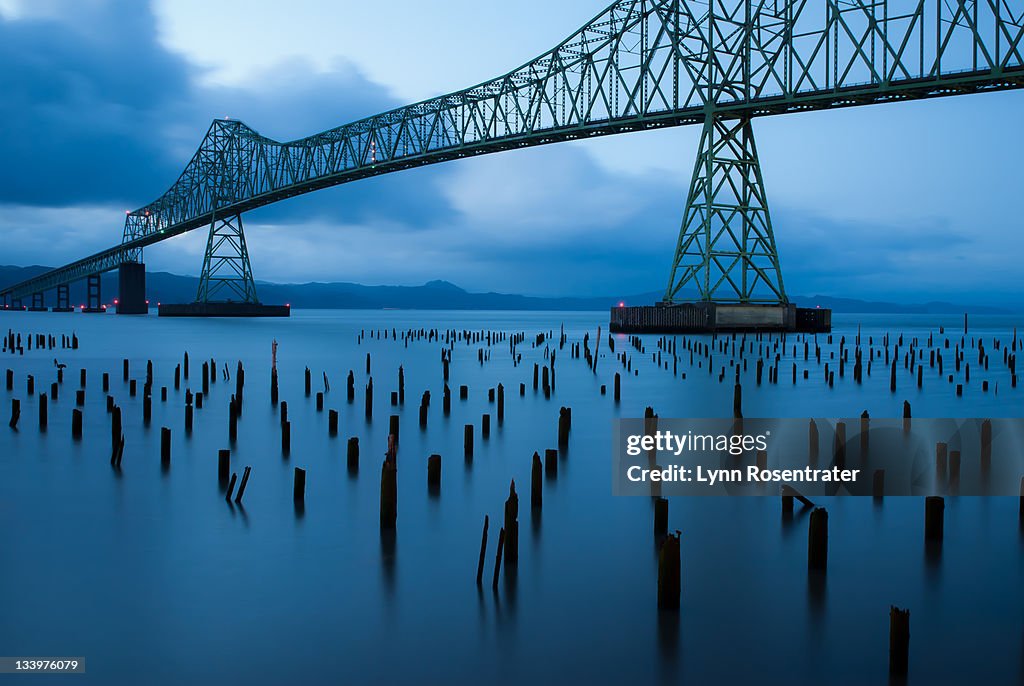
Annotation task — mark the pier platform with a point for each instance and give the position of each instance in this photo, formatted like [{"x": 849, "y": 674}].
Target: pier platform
[
  {"x": 228, "y": 309},
  {"x": 710, "y": 317}
]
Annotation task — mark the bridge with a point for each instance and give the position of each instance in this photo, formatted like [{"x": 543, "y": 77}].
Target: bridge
[{"x": 639, "y": 64}]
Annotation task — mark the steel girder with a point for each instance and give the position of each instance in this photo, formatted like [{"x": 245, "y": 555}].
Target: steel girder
[{"x": 639, "y": 64}]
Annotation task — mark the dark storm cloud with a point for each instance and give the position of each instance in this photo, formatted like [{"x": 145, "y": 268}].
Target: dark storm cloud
[
  {"x": 95, "y": 110},
  {"x": 82, "y": 107}
]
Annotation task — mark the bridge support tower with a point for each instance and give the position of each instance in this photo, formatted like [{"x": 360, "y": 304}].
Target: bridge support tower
[
  {"x": 63, "y": 299},
  {"x": 38, "y": 302},
  {"x": 226, "y": 286},
  {"x": 725, "y": 273},
  {"x": 131, "y": 289},
  {"x": 93, "y": 294}
]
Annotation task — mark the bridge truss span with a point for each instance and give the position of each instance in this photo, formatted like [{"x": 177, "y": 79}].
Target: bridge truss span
[{"x": 639, "y": 64}]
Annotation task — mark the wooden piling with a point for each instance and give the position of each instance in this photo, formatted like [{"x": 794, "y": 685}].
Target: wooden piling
[
  {"x": 817, "y": 541},
  {"x": 934, "y": 516},
  {"x": 497, "y": 559},
  {"x": 434, "y": 473},
  {"x": 332, "y": 422},
  {"x": 551, "y": 462},
  {"x": 165, "y": 446},
  {"x": 986, "y": 445},
  {"x": 299, "y": 486},
  {"x": 232, "y": 420},
  {"x": 43, "y": 418},
  {"x": 76, "y": 423},
  {"x": 669, "y": 585},
  {"x": 899, "y": 641},
  {"x": 286, "y": 438},
  {"x": 536, "y": 491},
  {"x": 812, "y": 443},
  {"x": 512, "y": 525},
  {"x": 241, "y": 488},
  {"x": 878, "y": 484},
  {"x": 564, "y": 425},
  {"x": 352, "y": 454},
  {"x": 223, "y": 465},
  {"x": 393, "y": 426},
  {"x": 468, "y": 441},
  {"x": 483, "y": 552},
  {"x": 369, "y": 395},
  {"x": 660, "y": 516},
  {"x": 388, "y": 494}
]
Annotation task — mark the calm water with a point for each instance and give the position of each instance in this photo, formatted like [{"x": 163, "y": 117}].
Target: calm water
[{"x": 155, "y": 579}]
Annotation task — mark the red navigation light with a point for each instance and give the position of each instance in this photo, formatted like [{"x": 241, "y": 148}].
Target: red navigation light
[
  {"x": 622, "y": 304},
  {"x": 115, "y": 301},
  {"x": 287, "y": 304},
  {"x": 147, "y": 302}
]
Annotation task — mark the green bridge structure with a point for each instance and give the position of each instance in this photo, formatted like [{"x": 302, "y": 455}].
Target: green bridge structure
[{"x": 638, "y": 65}]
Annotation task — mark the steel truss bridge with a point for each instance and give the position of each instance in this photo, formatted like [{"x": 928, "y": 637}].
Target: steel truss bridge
[{"x": 639, "y": 64}]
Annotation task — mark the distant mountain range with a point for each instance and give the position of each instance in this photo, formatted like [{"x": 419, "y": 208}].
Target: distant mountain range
[{"x": 440, "y": 295}]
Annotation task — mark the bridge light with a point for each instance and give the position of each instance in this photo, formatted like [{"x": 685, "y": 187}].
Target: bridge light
[
  {"x": 115, "y": 301},
  {"x": 622, "y": 304},
  {"x": 147, "y": 302}
]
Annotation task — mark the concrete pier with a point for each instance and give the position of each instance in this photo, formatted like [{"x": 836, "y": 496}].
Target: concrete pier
[
  {"x": 131, "y": 289},
  {"x": 710, "y": 317}
]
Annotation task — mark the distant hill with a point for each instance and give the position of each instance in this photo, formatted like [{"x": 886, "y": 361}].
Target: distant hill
[{"x": 439, "y": 295}]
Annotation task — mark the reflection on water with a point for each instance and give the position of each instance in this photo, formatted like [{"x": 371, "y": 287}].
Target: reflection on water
[{"x": 152, "y": 563}]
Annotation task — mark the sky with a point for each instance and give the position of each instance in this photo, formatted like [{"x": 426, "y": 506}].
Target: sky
[{"x": 102, "y": 102}]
